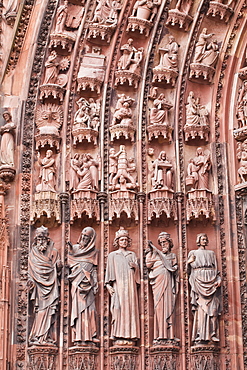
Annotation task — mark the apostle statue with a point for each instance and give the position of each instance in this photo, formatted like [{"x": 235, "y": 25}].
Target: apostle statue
[
  {"x": 47, "y": 173},
  {"x": 164, "y": 281},
  {"x": 7, "y": 142},
  {"x": 83, "y": 261},
  {"x": 122, "y": 277},
  {"x": 205, "y": 281},
  {"x": 44, "y": 266}
]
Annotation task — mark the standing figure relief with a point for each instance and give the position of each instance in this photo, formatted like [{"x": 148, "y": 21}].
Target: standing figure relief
[
  {"x": 47, "y": 174},
  {"x": 164, "y": 280},
  {"x": 205, "y": 280},
  {"x": 196, "y": 114},
  {"x": 121, "y": 280},
  {"x": 146, "y": 9},
  {"x": 198, "y": 170},
  {"x": 84, "y": 172},
  {"x": 206, "y": 52},
  {"x": 162, "y": 177},
  {"x": 83, "y": 262},
  {"x": 44, "y": 266},
  {"x": 131, "y": 57},
  {"x": 7, "y": 141}
]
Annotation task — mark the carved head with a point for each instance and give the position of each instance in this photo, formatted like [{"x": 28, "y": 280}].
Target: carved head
[
  {"x": 86, "y": 236},
  {"x": 7, "y": 116},
  {"x": 171, "y": 38},
  {"x": 162, "y": 155},
  {"x": 41, "y": 238},
  {"x": 199, "y": 151},
  {"x": 165, "y": 241},
  {"x": 204, "y": 31},
  {"x": 122, "y": 235},
  {"x": 49, "y": 153},
  {"x": 202, "y": 240}
]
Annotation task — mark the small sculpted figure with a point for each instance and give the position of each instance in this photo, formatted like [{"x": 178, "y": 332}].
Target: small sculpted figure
[
  {"x": 196, "y": 114},
  {"x": 159, "y": 112},
  {"x": 242, "y": 156},
  {"x": 149, "y": 7},
  {"x": 7, "y": 141},
  {"x": 84, "y": 172},
  {"x": 206, "y": 52},
  {"x": 47, "y": 172},
  {"x": 163, "y": 172},
  {"x": 112, "y": 164},
  {"x": 169, "y": 55},
  {"x": 85, "y": 116},
  {"x": 242, "y": 106},
  {"x": 106, "y": 12},
  {"x": 163, "y": 277},
  {"x": 199, "y": 168},
  {"x": 122, "y": 277},
  {"x": 44, "y": 266},
  {"x": 83, "y": 262},
  {"x": 205, "y": 281},
  {"x": 61, "y": 17},
  {"x": 131, "y": 57},
  {"x": 183, "y": 6},
  {"x": 123, "y": 113},
  {"x": 123, "y": 171},
  {"x": 51, "y": 69}
]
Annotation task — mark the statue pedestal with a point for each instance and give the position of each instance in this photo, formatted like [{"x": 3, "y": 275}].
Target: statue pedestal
[
  {"x": 124, "y": 357},
  {"x": 84, "y": 201},
  {"x": 84, "y": 133},
  {"x": 46, "y": 203},
  {"x": 142, "y": 25},
  {"x": 121, "y": 129},
  {"x": 86, "y": 355},
  {"x": 205, "y": 356},
  {"x": 183, "y": 20},
  {"x": 42, "y": 357},
  {"x": 92, "y": 71},
  {"x": 53, "y": 90},
  {"x": 193, "y": 131},
  {"x": 165, "y": 355},
  {"x": 200, "y": 203},
  {"x": 125, "y": 76},
  {"x": 123, "y": 202},
  {"x": 52, "y": 140},
  {"x": 65, "y": 40},
  {"x": 100, "y": 30},
  {"x": 154, "y": 131},
  {"x": 164, "y": 75},
  {"x": 7, "y": 173},
  {"x": 161, "y": 201},
  {"x": 201, "y": 70},
  {"x": 219, "y": 10}
]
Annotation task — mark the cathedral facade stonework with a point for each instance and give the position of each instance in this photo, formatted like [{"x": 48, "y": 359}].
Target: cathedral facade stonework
[{"x": 123, "y": 185}]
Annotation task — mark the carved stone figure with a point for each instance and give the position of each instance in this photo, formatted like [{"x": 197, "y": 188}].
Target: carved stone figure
[
  {"x": 206, "y": 52},
  {"x": 180, "y": 15},
  {"x": 146, "y": 9},
  {"x": 164, "y": 281},
  {"x": 242, "y": 156},
  {"x": 106, "y": 12},
  {"x": 83, "y": 261},
  {"x": 169, "y": 55},
  {"x": 183, "y": 6},
  {"x": 7, "y": 141},
  {"x": 123, "y": 113},
  {"x": 122, "y": 277},
  {"x": 123, "y": 176},
  {"x": 11, "y": 12},
  {"x": 205, "y": 281},
  {"x": 242, "y": 105},
  {"x": 61, "y": 17},
  {"x": 84, "y": 172},
  {"x": 51, "y": 69},
  {"x": 112, "y": 164},
  {"x": 163, "y": 172},
  {"x": 131, "y": 58},
  {"x": 47, "y": 172},
  {"x": 159, "y": 112},
  {"x": 44, "y": 265},
  {"x": 196, "y": 114},
  {"x": 198, "y": 170},
  {"x": 85, "y": 115}
]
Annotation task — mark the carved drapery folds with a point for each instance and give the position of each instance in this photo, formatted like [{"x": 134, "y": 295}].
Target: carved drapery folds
[
  {"x": 122, "y": 122},
  {"x": 199, "y": 197},
  {"x": 92, "y": 71},
  {"x": 129, "y": 65},
  {"x": 197, "y": 122},
  {"x": 7, "y": 148},
  {"x": 84, "y": 179},
  {"x": 142, "y": 17},
  {"x": 122, "y": 184},
  {"x": 205, "y": 57},
  {"x": 104, "y": 20},
  {"x": 166, "y": 71}
]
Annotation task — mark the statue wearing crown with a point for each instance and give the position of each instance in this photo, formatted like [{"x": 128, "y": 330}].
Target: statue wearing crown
[
  {"x": 121, "y": 280},
  {"x": 44, "y": 266}
]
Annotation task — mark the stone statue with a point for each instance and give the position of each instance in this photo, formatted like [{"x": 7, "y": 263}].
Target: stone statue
[
  {"x": 205, "y": 52},
  {"x": 7, "y": 142},
  {"x": 198, "y": 169},
  {"x": 169, "y": 55},
  {"x": 159, "y": 112},
  {"x": 44, "y": 266},
  {"x": 106, "y": 12},
  {"x": 112, "y": 164},
  {"x": 122, "y": 277},
  {"x": 83, "y": 262},
  {"x": 123, "y": 113},
  {"x": 123, "y": 175},
  {"x": 61, "y": 17},
  {"x": 146, "y": 9},
  {"x": 242, "y": 156},
  {"x": 163, "y": 172},
  {"x": 164, "y": 281},
  {"x": 196, "y": 114},
  {"x": 84, "y": 174},
  {"x": 205, "y": 281},
  {"x": 242, "y": 106},
  {"x": 131, "y": 58},
  {"x": 51, "y": 69},
  {"x": 87, "y": 116},
  {"x": 47, "y": 172},
  {"x": 183, "y": 6}
]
